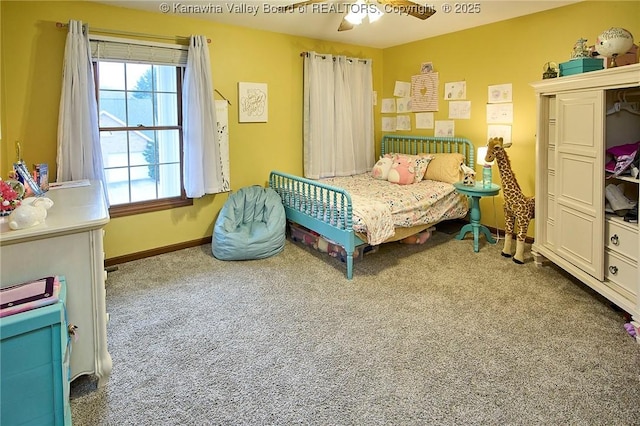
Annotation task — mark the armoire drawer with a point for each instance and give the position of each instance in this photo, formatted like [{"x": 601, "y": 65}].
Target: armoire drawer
[
  {"x": 621, "y": 271},
  {"x": 621, "y": 238}
]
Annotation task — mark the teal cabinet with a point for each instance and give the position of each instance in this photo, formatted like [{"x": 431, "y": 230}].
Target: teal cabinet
[{"x": 34, "y": 366}]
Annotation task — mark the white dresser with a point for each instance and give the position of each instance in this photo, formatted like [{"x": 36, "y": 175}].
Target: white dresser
[
  {"x": 579, "y": 118},
  {"x": 69, "y": 243}
]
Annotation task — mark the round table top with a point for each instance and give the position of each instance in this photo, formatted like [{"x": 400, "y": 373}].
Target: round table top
[{"x": 477, "y": 190}]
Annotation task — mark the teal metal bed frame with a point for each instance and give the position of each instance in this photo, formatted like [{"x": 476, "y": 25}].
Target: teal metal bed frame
[{"x": 327, "y": 210}]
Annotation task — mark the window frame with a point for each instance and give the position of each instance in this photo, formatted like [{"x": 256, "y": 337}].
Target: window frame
[{"x": 158, "y": 204}]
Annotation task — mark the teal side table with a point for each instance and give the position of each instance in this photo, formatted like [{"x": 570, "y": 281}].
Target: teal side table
[{"x": 475, "y": 193}]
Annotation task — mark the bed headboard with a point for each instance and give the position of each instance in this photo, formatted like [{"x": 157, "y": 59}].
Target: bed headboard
[{"x": 429, "y": 144}]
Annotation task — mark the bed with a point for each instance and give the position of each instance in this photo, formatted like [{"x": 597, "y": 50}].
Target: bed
[{"x": 354, "y": 210}]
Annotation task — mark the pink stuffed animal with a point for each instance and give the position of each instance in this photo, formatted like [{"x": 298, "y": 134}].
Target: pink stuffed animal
[{"x": 402, "y": 171}]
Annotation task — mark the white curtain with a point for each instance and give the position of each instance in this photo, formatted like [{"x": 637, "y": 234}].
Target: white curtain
[
  {"x": 202, "y": 161},
  {"x": 338, "y": 116},
  {"x": 79, "y": 153}
]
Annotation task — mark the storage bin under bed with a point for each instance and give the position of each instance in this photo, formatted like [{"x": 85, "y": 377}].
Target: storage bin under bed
[{"x": 307, "y": 237}]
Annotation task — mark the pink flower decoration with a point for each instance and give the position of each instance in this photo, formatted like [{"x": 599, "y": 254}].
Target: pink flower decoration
[{"x": 8, "y": 197}]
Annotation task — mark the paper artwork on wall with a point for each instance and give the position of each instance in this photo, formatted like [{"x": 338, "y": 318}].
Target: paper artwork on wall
[
  {"x": 402, "y": 89},
  {"x": 460, "y": 110},
  {"x": 426, "y": 67},
  {"x": 424, "y": 92},
  {"x": 388, "y": 105},
  {"x": 403, "y": 105},
  {"x": 252, "y": 103},
  {"x": 499, "y": 113},
  {"x": 500, "y": 93},
  {"x": 499, "y": 131},
  {"x": 403, "y": 122},
  {"x": 388, "y": 124},
  {"x": 424, "y": 120},
  {"x": 455, "y": 91},
  {"x": 222, "y": 120},
  {"x": 445, "y": 128}
]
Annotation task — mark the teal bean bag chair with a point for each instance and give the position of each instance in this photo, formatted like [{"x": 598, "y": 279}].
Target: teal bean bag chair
[{"x": 251, "y": 225}]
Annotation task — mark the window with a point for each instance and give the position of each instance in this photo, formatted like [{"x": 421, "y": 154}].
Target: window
[{"x": 140, "y": 122}]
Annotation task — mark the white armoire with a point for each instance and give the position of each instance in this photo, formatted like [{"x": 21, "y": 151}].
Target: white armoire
[{"x": 579, "y": 118}]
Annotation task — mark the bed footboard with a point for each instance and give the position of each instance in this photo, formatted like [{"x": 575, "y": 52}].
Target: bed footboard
[{"x": 322, "y": 208}]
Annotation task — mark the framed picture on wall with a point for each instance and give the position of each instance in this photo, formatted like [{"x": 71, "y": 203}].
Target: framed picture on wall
[
  {"x": 426, "y": 67},
  {"x": 253, "y": 103}
]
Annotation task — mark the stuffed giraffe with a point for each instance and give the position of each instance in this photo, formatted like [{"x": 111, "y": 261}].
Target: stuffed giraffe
[{"x": 518, "y": 209}]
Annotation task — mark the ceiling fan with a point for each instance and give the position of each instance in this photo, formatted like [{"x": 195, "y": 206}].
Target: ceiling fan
[{"x": 356, "y": 11}]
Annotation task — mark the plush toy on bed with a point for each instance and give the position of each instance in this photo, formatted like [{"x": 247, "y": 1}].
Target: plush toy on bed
[
  {"x": 381, "y": 168},
  {"x": 402, "y": 171}
]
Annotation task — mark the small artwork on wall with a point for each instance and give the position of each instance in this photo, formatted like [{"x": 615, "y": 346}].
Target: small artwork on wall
[
  {"x": 426, "y": 67},
  {"x": 424, "y": 120},
  {"x": 252, "y": 102}
]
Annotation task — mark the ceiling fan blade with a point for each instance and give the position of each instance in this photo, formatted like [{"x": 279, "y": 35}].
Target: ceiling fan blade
[
  {"x": 410, "y": 8},
  {"x": 345, "y": 25},
  {"x": 291, "y": 7}
]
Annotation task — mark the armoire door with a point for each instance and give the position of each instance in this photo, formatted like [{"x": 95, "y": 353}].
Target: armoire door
[{"x": 579, "y": 180}]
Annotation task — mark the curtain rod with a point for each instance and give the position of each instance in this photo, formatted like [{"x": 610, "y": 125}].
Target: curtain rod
[
  {"x": 218, "y": 92},
  {"x": 128, "y": 33},
  {"x": 306, "y": 54}
]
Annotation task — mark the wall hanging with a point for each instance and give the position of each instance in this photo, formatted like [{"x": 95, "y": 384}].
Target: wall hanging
[{"x": 252, "y": 102}]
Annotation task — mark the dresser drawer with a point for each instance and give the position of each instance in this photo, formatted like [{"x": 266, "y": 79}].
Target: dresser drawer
[
  {"x": 621, "y": 271},
  {"x": 622, "y": 238}
]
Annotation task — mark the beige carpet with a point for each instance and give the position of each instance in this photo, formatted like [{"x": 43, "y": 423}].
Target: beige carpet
[{"x": 433, "y": 334}]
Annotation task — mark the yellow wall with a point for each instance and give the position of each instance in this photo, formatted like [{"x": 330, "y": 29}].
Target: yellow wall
[
  {"x": 507, "y": 52},
  {"x": 32, "y": 58}
]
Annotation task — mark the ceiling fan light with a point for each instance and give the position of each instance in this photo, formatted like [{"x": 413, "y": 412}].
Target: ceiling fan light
[
  {"x": 355, "y": 18},
  {"x": 374, "y": 13}
]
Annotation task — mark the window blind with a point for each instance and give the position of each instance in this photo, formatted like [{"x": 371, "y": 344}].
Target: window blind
[{"x": 129, "y": 50}]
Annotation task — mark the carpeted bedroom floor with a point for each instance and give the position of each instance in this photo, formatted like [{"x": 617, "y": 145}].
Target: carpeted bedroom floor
[{"x": 433, "y": 334}]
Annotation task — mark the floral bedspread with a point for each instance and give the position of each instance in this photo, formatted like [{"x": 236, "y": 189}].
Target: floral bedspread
[{"x": 380, "y": 206}]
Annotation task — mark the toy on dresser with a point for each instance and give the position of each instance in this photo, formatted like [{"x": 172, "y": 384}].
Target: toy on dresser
[{"x": 31, "y": 212}]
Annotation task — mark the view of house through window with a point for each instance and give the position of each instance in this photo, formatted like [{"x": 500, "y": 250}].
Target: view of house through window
[{"x": 140, "y": 121}]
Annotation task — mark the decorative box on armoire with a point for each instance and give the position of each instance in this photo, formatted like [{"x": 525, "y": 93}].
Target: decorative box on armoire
[
  {"x": 34, "y": 366},
  {"x": 580, "y": 65}
]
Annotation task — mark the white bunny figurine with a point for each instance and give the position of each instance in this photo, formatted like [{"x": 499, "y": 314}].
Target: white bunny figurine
[{"x": 31, "y": 212}]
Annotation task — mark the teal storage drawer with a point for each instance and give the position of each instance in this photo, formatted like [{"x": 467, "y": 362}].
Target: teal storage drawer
[
  {"x": 578, "y": 66},
  {"x": 34, "y": 367}
]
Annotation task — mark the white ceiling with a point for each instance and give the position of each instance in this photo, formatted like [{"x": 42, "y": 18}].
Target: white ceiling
[{"x": 321, "y": 22}]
